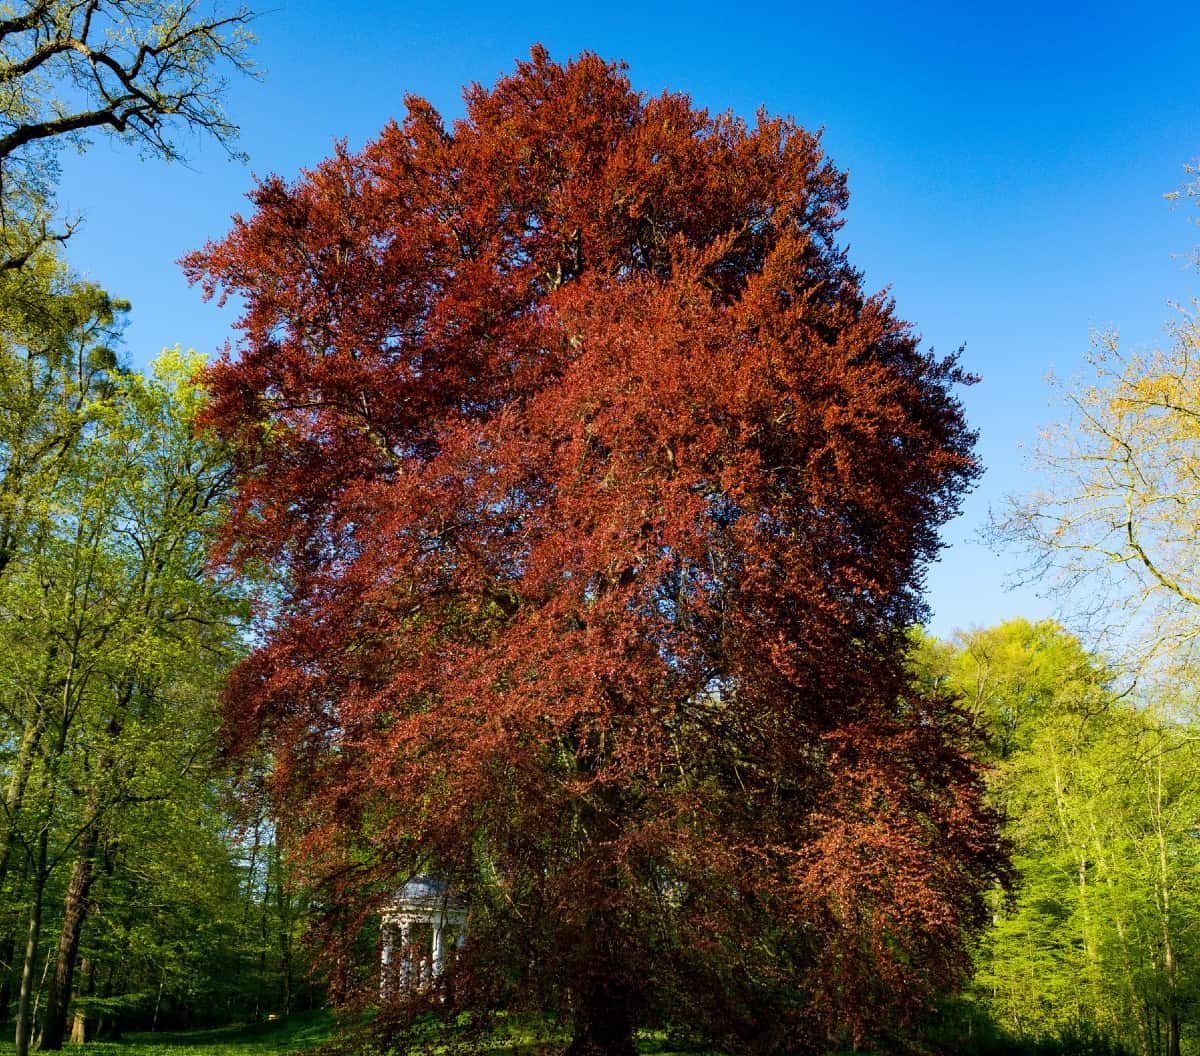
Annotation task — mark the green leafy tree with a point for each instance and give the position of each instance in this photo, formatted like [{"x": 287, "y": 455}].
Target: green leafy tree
[
  {"x": 1100, "y": 793},
  {"x": 56, "y": 369},
  {"x": 57, "y": 372},
  {"x": 122, "y": 641}
]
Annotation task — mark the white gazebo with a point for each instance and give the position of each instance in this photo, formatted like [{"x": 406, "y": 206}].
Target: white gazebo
[{"x": 424, "y": 922}]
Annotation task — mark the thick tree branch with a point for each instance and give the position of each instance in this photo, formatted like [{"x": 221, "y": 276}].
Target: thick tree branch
[{"x": 143, "y": 71}]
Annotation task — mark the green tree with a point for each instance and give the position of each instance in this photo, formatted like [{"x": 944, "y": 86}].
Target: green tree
[
  {"x": 57, "y": 371},
  {"x": 114, "y": 637},
  {"x": 123, "y": 641},
  {"x": 56, "y": 368},
  {"x": 1100, "y": 793}
]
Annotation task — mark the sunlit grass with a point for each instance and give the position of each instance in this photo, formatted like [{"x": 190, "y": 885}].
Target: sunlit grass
[{"x": 304, "y": 1030}]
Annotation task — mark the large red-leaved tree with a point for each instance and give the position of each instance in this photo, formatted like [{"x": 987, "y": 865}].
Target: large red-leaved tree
[{"x": 599, "y": 495}]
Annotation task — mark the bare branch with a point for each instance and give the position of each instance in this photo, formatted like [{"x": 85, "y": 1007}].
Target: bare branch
[{"x": 145, "y": 71}]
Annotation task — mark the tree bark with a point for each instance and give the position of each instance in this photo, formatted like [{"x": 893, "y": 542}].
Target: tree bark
[
  {"x": 24, "y": 1027},
  {"x": 14, "y": 804},
  {"x": 75, "y": 910},
  {"x": 8, "y": 940},
  {"x": 603, "y": 1020},
  {"x": 79, "y": 1025},
  {"x": 283, "y": 905}
]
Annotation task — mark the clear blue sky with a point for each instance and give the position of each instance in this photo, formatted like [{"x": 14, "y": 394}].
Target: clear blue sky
[{"x": 1007, "y": 169}]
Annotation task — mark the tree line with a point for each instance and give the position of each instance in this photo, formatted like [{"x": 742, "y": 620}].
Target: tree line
[
  {"x": 134, "y": 891},
  {"x": 1097, "y": 946},
  {"x": 126, "y": 881}
]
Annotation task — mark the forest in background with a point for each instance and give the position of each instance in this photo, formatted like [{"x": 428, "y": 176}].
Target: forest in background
[{"x": 144, "y": 883}]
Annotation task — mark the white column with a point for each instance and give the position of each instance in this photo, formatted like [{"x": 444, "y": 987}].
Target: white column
[
  {"x": 426, "y": 966},
  {"x": 385, "y": 962},
  {"x": 437, "y": 949},
  {"x": 406, "y": 956}
]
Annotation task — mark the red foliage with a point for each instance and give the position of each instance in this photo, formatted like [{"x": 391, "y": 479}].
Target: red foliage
[{"x": 600, "y": 495}]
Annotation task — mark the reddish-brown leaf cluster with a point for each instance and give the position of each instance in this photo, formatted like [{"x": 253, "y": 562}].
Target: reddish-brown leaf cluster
[{"x": 599, "y": 494}]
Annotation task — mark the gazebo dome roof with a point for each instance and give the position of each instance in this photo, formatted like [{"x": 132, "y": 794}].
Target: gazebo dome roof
[
  {"x": 428, "y": 898},
  {"x": 422, "y": 887}
]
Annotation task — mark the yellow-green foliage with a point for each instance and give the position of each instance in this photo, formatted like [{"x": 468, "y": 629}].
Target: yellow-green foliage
[{"x": 1100, "y": 788}]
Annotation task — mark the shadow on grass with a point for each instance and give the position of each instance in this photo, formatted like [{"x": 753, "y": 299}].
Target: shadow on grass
[{"x": 303, "y": 1030}]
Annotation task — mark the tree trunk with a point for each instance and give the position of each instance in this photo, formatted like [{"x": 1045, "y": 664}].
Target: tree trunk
[
  {"x": 1165, "y": 909},
  {"x": 603, "y": 1021},
  {"x": 162, "y": 982},
  {"x": 8, "y": 938},
  {"x": 105, "y": 991},
  {"x": 13, "y": 804},
  {"x": 75, "y": 911},
  {"x": 263, "y": 946},
  {"x": 79, "y": 1026},
  {"x": 283, "y": 924},
  {"x": 37, "y": 896}
]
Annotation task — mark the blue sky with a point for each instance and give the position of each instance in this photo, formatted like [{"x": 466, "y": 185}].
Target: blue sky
[{"x": 1007, "y": 170}]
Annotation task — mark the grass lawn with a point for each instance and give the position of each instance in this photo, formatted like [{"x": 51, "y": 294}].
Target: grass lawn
[
  {"x": 509, "y": 1035},
  {"x": 305, "y": 1030}
]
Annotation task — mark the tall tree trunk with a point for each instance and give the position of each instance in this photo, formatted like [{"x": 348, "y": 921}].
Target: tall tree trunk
[
  {"x": 248, "y": 902},
  {"x": 1165, "y": 908},
  {"x": 602, "y": 1020},
  {"x": 14, "y": 801},
  {"x": 264, "y": 942},
  {"x": 162, "y": 982},
  {"x": 107, "y": 991},
  {"x": 75, "y": 910},
  {"x": 1141, "y": 1021},
  {"x": 9, "y": 972},
  {"x": 24, "y": 1027},
  {"x": 48, "y": 793},
  {"x": 283, "y": 924},
  {"x": 79, "y": 1026}
]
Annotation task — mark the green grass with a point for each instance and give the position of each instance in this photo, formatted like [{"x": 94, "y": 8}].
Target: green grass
[
  {"x": 510, "y": 1036},
  {"x": 521, "y": 1034},
  {"x": 304, "y": 1030}
]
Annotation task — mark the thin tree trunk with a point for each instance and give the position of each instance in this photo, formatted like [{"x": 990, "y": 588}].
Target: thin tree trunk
[
  {"x": 263, "y": 944},
  {"x": 41, "y": 870},
  {"x": 24, "y": 1027},
  {"x": 75, "y": 911},
  {"x": 283, "y": 904},
  {"x": 162, "y": 982},
  {"x": 1170, "y": 972},
  {"x": 106, "y": 991},
  {"x": 41, "y": 989},
  {"x": 14, "y": 802},
  {"x": 1142, "y": 1023}
]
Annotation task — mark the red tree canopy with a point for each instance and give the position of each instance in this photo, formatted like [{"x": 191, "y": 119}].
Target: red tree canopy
[{"x": 599, "y": 494}]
